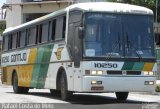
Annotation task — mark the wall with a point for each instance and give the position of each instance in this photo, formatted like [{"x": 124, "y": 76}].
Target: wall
[
  {"x": 13, "y": 16},
  {"x": 18, "y": 12}
]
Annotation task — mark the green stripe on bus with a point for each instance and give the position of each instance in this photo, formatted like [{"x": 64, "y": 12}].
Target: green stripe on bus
[
  {"x": 41, "y": 66},
  {"x": 138, "y": 66},
  {"x": 36, "y": 69},
  {"x": 128, "y": 66},
  {"x": 44, "y": 66}
]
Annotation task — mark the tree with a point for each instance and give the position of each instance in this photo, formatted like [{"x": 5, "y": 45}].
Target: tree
[
  {"x": 2, "y": 26},
  {"x": 146, "y": 3}
]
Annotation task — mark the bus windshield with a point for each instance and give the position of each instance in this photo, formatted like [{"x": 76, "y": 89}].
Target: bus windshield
[{"x": 118, "y": 35}]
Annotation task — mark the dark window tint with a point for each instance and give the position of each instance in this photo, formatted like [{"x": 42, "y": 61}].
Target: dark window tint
[
  {"x": 10, "y": 42},
  {"x": 64, "y": 27},
  {"x": 39, "y": 33},
  {"x": 53, "y": 30},
  {"x": 18, "y": 39}
]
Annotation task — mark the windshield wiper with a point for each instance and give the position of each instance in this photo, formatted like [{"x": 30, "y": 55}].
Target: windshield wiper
[
  {"x": 130, "y": 45},
  {"x": 138, "y": 54}
]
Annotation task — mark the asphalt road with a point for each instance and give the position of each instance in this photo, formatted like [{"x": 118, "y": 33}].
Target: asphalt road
[{"x": 79, "y": 101}]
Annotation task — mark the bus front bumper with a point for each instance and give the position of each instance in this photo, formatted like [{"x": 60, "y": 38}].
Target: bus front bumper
[{"x": 118, "y": 84}]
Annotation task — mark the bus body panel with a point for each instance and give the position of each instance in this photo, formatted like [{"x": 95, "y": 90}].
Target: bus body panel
[
  {"x": 38, "y": 66},
  {"x": 119, "y": 84}
]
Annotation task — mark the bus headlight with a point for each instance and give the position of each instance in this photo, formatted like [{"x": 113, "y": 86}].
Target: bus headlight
[
  {"x": 145, "y": 73},
  {"x": 99, "y": 72},
  {"x": 93, "y": 72},
  {"x": 149, "y": 73}
]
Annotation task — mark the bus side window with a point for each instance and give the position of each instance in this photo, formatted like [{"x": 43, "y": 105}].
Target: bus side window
[
  {"x": 14, "y": 41},
  {"x": 18, "y": 39},
  {"x": 45, "y": 29},
  {"x": 60, "y": 28},
  {"x": 10, "y": 41},
  {"x": 28, "y": 35},
  {"x": 23, "y": 39},
  {"x": 64, "y": 27},
  {"x": 3, "y": 42},
  {"x": 53, "y": 30},
  {"x": 39, "y": 34},
  {"x": 5, "y": 45},
  {"x": 32, "y": 36}
]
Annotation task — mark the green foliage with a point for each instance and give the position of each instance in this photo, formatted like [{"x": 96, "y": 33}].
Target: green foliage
[
  {"x": 2, "y": 26},
  {"x": 158, "y": 88}
]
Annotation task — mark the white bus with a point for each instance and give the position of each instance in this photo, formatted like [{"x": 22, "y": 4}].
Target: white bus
[{"x": 94, "y": 47}]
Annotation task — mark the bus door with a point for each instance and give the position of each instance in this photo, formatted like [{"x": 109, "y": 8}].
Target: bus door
[{"x": 75, "y": 51}]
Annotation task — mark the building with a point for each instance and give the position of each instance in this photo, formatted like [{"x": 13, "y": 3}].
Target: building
[{"x": 21, "y": 11}]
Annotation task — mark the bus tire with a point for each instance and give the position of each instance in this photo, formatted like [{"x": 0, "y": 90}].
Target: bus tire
[
  {"x": 122, "y": 96},
  {"x": 25, "y": 90},
  {"x": 16, "y": 88},
  {"x": 65, "y": 94},
  {"x": 54, "y": 92}
]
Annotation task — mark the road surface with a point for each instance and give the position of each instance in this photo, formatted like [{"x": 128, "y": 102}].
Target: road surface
[{"x": 79, "y": 101}]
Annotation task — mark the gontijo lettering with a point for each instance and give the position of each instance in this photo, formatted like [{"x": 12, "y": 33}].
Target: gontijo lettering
[{"x": 18, "y": 57}]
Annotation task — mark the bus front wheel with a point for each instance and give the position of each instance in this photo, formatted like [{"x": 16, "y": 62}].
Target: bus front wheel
[
  {"x": 54, "y": 92},
  {"x": 122, "y": 96},
  {"x": 65, "y": 94},
  {"x": 16, "y": 88}
]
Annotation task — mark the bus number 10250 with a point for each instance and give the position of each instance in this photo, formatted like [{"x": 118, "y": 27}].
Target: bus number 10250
[{"x": 105, "y": 65}]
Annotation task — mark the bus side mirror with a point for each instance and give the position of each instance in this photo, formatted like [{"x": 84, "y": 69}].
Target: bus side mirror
[{"x": 80, "y": 32}]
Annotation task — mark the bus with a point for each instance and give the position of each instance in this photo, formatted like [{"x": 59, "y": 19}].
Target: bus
[{"x": 94, "y": 47}]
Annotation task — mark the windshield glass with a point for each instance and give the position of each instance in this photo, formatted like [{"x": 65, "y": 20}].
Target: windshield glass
[
  {"x": 138, "y": 32},
  {"x": 118, "y": 35}
]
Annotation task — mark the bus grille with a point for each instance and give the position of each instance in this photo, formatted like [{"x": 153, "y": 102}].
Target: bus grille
[
  {"x": 133, "y": 72},
  {"x": 124, "y": 72}
]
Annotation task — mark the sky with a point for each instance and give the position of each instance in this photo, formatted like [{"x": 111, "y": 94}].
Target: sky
[{"x": 1, "y": 2}]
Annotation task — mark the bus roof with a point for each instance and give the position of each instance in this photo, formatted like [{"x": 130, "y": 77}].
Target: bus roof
[
  {"x": 90, "y": 7},
  {"x": 112, "y": 7}
]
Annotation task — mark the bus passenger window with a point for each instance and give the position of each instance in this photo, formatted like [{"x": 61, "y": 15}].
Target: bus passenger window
[
  {"x": 5, "y": 45},
  {"x": 53, "y": 30},
  {"x": 40, "y": 34},
  {"x": 60, "y": 28},
  {"x": 64, "y": 26},
  {"x": 14, "y": 41},
  {"x": 45, "y": 31},
  {"x": 18, "y": 39},
  {"x": 23, "y": 39},
  {"x": 10, "y": 41},
  {"x": 32, "y": 36}
]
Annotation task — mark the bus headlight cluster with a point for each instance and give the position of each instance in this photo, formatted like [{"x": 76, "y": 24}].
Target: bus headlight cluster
[
  {"x": 94, "y": 72},
  {"x": 99, "y": 72},
  {"x": 96, "y": 82},
  {"x": 149, "y": 82},
  {"x": 149, "y": 73}
]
